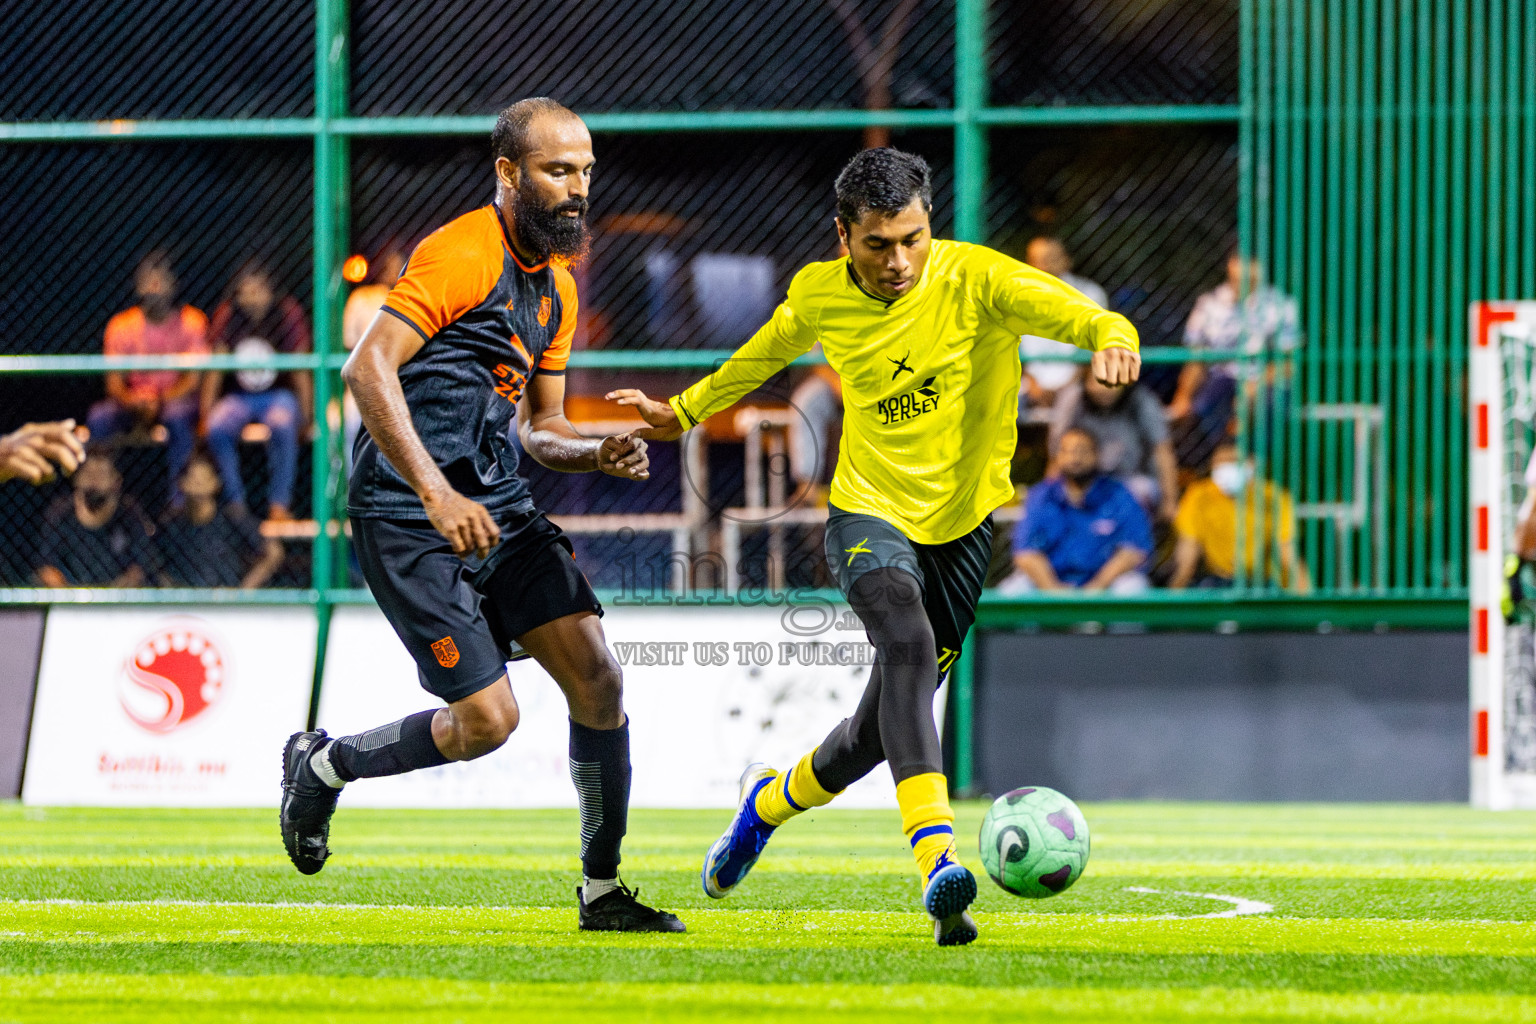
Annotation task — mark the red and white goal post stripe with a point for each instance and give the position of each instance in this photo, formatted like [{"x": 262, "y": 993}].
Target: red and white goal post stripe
[{"x": 1491, "y": 518}]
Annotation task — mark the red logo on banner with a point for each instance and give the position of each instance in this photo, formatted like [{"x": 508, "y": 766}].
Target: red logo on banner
[{"x": 174, "y": 674}]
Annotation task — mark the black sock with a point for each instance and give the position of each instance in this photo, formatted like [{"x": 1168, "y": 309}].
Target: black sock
[
  {"x": 600, "y": 770},
  {"x": 392, "y": 749}
]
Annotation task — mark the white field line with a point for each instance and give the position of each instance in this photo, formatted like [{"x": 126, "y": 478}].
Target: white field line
[
  {"x": 1241, "y": 905},
  {"x": 274, "y": 905}
]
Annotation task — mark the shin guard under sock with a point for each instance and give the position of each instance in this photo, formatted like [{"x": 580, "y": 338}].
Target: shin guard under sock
[
  {"x": 600, "y": 769},
  {"x": 392, "y": 749}
]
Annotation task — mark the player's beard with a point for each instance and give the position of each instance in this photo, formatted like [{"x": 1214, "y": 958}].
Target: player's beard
[{"x": 546, "y": 231}]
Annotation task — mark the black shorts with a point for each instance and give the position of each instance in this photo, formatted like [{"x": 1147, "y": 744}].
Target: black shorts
[
  {"x": 460, "y": 619},
  {"x": 951, "y": 574}
]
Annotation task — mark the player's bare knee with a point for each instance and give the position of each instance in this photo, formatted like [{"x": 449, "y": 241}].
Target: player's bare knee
[
  {"x": 481, "y": 730},
  {"x": 485, "y": 736}
]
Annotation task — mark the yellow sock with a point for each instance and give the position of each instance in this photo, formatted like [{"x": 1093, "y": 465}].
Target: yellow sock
[
  {"x": 927, "y": 820},
  {"x": 791, "y": 793}
]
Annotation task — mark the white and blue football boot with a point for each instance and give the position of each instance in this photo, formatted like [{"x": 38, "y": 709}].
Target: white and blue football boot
[
  {"x": 951, "y": 889},
  {"x": 734, "y": 853}
]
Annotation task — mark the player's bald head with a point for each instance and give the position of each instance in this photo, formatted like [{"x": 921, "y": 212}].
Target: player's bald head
[{"x": 518, "y": 127}]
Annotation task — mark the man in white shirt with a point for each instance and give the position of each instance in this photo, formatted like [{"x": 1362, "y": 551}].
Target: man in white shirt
[{"x": 1265, "y": 321}]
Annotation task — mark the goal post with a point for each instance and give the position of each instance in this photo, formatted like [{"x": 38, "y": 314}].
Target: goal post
[{"x": 1502, "y": 408}]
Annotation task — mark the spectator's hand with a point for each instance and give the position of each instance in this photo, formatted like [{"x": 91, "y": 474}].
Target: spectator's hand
[
  {"x": 1116, "y": 367},
  {"x": 32, "y": 452},
  {"x": 465, "y": 524},
  {"x": 624, "y": 455},
  {"x": 664, "y": 425},
  {"x": 51, "y": 577},
  {"x": 1167, "y": 509},
  {"x": 1178, "y": 408}
]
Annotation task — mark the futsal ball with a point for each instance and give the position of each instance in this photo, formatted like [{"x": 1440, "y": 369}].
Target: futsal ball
[{"x": 1034, "y": 842}]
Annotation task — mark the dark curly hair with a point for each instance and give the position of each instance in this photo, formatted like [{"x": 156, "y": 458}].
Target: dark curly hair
[{"x": 884, "y": 180}]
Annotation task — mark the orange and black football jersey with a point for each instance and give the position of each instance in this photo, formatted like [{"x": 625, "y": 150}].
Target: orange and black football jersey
[{"x": 489, "y": 323}]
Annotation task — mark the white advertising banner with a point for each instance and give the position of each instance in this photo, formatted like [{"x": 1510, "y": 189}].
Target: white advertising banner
[
  {"x": 708, "y": 690},
  {"x": 168, "y": 707}
]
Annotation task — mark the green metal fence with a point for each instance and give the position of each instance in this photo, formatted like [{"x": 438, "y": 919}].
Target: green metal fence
[
  {"x": 1386, "y": 177},
  {"x": 1389, "y": 153}
]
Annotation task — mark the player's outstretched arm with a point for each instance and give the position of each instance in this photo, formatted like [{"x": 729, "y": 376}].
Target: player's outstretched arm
[
  {"x": 1031, "y": 301},
  {"x": 776, "y": 344},
  {"x": 373, "y": 374},
  {"x": 33, "y": 452},
  {"x": 553, "y": 441}
]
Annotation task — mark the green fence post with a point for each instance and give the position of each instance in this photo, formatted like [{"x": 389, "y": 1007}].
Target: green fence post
[
  {"x": 332, "y": 192},
  {"x": 970, "y": 226},
  {"x": 963, "y": 693},
  {"x": 970, "y": 132}
]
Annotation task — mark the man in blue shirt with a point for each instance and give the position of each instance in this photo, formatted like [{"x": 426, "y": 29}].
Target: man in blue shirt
[{"x": 1081, "y": 530}]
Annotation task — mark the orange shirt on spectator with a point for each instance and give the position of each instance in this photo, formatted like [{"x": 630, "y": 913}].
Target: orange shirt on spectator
[{"x": 130, "y": 333}]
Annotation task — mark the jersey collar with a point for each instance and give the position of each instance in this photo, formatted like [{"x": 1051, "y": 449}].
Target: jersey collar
[{"x": 853, "y": 279}]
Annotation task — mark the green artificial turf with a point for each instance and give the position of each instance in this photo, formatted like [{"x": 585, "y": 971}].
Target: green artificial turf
[{"x": 1400, "y": 913}]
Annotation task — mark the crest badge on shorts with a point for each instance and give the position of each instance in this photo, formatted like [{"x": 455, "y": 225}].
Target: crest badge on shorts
[
  {"x": 447, "y": 653},
  {"x": 545, "y": 308}
]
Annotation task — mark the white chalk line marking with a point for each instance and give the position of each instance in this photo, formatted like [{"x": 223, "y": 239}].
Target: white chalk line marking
[{"x": 1241, "y": 905}]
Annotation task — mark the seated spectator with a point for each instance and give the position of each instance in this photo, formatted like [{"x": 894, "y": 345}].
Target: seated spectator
[
  {"x": 1130, "y": 429},
  {"x": 818, "y": 400},
  {"x": 97, "y": 537},
  {"x": 256, "y": 322},
  {"x": 139, "y": 399},
  {"x": 202, "y": 545},
  {"x": 1206, "y": 524},
  {"x": 1081, "y": 530},
  {"x": 1044, "y": 375},
  {"x": 1265, "y": 321},
  {"x": 362, "y": 306}
]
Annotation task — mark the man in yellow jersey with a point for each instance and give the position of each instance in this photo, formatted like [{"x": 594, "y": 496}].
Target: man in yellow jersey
[{"x": 925, "y": 336}]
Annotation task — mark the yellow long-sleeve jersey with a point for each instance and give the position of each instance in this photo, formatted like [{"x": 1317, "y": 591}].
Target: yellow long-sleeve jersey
[{"x": 930, "y": 380}]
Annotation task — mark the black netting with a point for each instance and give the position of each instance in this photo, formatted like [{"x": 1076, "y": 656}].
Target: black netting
[
  {"x": 461, "y": 57},
  {"x": 79, "y": 218},
  {"x": 696, "y": 235},
  {"x": 1123, "y": 51},
  {"x": 1149, "y": 213},
  {"x": 98, "y": 59}
]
